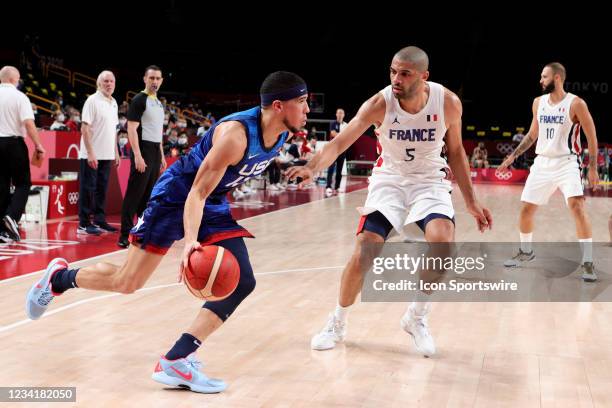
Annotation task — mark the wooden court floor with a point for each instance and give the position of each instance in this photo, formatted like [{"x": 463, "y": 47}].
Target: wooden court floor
[{"x": 489, "y": 354}]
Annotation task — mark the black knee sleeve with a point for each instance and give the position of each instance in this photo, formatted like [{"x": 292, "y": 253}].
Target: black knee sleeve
[{"x": 224, "y": 308}]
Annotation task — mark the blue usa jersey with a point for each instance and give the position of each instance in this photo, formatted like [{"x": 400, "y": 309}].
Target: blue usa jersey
[
  {"x": 256, "y": 159},
  {"x": 162, "y": 221}
]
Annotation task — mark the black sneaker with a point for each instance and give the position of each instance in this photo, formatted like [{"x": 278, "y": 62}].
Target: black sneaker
[
  {"x": 123, "y": 242},
  {"x": 89, "y": 229},
  {"x": 105, "y": 226},
  {"x": 11, "y": 228}
]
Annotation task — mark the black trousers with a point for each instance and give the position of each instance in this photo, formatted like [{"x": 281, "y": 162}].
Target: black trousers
[
  {"x": 224, "y": 308},
  {"x": 140, "y": 185},
  {"x": 93, "y": 184},
  {"x": 337, "y": 165},
  {"x": 274, "y": 171},
  {"x": 15, "y": 170}
]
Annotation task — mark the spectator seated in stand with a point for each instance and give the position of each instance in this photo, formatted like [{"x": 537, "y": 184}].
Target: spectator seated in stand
[
  {"x": 479, "y": 156},
  {"x": 122, "y": 144},
  {"x": 171, "y": 142},
  {"x": 183, "y": 144},
  {"x": 58, "y": 123},
  {"x": 74, "y": 122}
]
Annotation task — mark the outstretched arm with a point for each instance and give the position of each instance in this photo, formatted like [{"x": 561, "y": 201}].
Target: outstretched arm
[
  {"x": 372, "y": 110},
  {"x": 457, "y": 160},
  {"x": 527, "y": 141}
]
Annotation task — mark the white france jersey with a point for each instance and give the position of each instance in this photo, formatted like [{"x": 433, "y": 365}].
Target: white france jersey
[
  {"x": 412, "y": 143},
  {"x": 558, "y": 135}
]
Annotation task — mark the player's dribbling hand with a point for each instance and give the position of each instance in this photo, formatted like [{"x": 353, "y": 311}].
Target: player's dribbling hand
[
  {"x": 189, "y": 248},
  {"x": 482, "y": 215},
  {"x": 299, "y": 171}
]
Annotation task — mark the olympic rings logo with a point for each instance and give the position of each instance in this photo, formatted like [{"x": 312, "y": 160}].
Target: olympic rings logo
[
  {"x": 504, "y": 148},
  {"x": 73, "y": 198},
  {"x": 503, "y": 175}
]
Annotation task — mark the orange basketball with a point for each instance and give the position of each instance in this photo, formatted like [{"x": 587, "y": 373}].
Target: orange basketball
[{"x": 212, "y": 273}]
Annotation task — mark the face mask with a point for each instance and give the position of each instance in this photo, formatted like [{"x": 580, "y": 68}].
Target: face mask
[
  {"x": 182, "y": 125},
  {"x": 60, "y": 118},
  {"x": 182, "y": 141},
  {"x": 123, "y": 141},
  {"x": 122, "y": 122},
  {"x": 77, "y": 119}
]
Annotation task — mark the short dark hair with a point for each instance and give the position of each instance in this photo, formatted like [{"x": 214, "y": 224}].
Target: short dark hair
[
  {"x": 557, "y": 69},
  {"x": 414, "y": 55},
  {"x": 280, "y": 81},
  {"x": 153, "y": 67}
]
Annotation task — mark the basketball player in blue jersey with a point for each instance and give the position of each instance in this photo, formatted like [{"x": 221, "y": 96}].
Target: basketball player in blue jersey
[
  {"x": 189, "y": 200},
  {"x": 416, "y": 119},
  {"x": 557, "y": 119}
]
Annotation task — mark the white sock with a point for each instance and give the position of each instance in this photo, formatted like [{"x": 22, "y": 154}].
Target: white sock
[
  {"x": 526, "y": 241},
  {"x": 341, "y": 313},
  {"x": 421, "y": 305},
  {"x": 586, "y": 245},
  {"x": 420, "y": 309}
]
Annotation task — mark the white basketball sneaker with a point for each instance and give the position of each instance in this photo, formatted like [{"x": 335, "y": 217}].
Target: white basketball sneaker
[
  {"x": 588, "y": 272},
  {"x": 333, "y": 332},
  {"x": 416, "y": 326},
  {"x": 519, "y": 259}
]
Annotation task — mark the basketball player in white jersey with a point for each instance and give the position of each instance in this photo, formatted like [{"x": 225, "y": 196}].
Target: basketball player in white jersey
[
  {"x": 417, "y": 118},
  {"x": 557, "y": 119}
]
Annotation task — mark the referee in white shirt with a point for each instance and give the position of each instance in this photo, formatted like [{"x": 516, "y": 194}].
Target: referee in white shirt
[
  {"x": 97, "y": 153},
  {"x": 15, "y": 116}
]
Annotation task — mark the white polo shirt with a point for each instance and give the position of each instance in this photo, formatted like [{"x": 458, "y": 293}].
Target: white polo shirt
[
  {"x": 101, "y": 114},
  {"x": 15, "y": 108}
]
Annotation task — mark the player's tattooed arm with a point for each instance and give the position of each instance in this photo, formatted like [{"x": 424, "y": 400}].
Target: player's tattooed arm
[
  {"x": 523, "y": 146},
  {"x": 528, "y": 140},
  {"x": 530, "y": 137}
]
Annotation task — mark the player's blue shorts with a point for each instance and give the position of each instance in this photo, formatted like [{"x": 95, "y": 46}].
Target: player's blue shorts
[{"x": 162, "y": 221}]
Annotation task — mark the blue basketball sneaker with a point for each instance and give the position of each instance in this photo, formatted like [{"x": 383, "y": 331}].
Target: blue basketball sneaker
[
  {"x": 41, "y": 294},
  {"x": 185, "y": 373}
]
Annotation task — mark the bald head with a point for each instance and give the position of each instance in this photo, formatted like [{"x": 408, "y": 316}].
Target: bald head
[
  {"x": 415, "y": 56},
  {"x": 9, "y": 75}
]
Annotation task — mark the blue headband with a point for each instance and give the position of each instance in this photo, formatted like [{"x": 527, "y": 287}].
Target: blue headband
[{"x": 285, "y": 95}]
